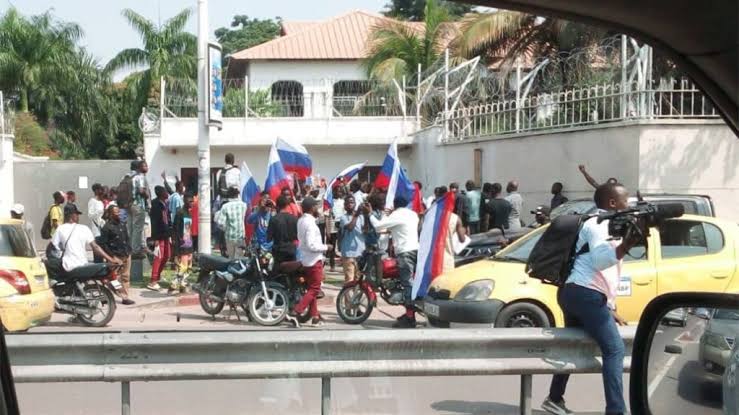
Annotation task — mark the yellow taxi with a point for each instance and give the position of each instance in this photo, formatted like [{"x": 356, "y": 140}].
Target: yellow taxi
[
  {"x": 25, "y": 297},
  {"x": 690, "y": 253}
]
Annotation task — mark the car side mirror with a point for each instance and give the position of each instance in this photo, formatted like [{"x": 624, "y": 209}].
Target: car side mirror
[{"x": 685, "y": 356}]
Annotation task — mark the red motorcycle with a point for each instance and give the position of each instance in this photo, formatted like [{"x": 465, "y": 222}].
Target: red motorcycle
[{"x": 357, "y": 299}]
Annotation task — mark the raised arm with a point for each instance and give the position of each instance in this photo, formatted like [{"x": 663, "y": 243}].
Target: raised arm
[{"x": 587, "y": 176}]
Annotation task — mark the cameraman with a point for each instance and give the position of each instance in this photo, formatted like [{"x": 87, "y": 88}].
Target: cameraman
[{"x": 588, "y": 299}]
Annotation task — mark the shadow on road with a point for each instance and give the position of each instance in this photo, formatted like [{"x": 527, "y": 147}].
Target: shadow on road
[{"x": 699, "y": 387}]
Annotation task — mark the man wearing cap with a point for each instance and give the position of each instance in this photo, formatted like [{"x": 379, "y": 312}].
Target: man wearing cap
[
  {"x": 72, "y": 239},
  {"x": 542, "y": 216},
  {"x": 16, "y": 212},
  {"x": 310, "y": 249}
]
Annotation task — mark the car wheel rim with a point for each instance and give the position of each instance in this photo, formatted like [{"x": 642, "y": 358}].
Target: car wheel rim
[{"x": 523, "y": 320}]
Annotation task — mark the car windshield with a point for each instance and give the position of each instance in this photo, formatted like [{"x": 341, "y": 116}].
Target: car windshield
[
  {"x": 182, "y": 135},
  {"x": 14, "y": 242},
  {"x": 574, "y": 207},
  {"x": 520, "y": 250}
]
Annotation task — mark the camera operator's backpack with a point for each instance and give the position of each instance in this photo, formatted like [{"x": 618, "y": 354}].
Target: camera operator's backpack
[
  {"x": 125, "y": 192},
  {"x": 554, "y": 254}
]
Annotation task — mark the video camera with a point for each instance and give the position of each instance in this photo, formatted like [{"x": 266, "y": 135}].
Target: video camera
[{"x": 640, "y": 218}]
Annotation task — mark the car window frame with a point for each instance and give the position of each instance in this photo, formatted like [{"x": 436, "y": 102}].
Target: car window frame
[{"x": 696, "y": 220}]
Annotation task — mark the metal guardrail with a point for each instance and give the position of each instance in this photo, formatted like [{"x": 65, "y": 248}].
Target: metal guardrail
[{"x": 166, "y": 356}]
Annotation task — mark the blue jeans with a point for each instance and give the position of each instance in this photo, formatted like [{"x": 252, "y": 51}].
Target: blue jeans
[
  {"x": 406, "y": 268},
  {"x": 587, "y": 309}
]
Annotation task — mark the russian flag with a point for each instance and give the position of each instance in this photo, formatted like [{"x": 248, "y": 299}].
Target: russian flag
[
  {"x": 277, "y": 178},
  {"x": 393, "y": 178},
  {"x": 295, "y": 159},
  {"x": 434, "y": 234},
  {"x": 249, "y": 188},
  {"x": 346, "y": 176}
]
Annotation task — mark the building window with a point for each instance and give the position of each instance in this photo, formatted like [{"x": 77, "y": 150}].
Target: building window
[
  {"x": 347, "y": 97},
  {"x": 288, "y": 97}
]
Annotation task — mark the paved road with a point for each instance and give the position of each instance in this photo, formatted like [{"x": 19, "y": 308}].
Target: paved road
[
  {"x": 441, "y": 395},
  {"x": 678, "y": 384}
]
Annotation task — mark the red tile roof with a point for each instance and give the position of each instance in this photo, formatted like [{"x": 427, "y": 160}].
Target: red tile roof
[{"x": 341, "y": 38}]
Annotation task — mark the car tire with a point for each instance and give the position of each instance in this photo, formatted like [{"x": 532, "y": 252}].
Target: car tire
[
  {"x": 438, "y": 323},
  {"x": 523, "y": 314}
]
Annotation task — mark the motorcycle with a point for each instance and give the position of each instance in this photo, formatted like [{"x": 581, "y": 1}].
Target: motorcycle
[
  {"x": 223, "y": 281},
  {"x": 358, "y": 298},
  {"x": 85, "y": 292},
  {"x": 277, "y": 290}
]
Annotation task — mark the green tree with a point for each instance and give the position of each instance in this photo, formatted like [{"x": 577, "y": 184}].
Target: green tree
[
  {"x": 396, "y": 48},
  {"x": 168, "y": 51},
  {"x": 33, "y": 54},
  {"x": 506, "y": 35},
  {"x": 245, "y": 33},
  {"x": 415, "y": 10}
]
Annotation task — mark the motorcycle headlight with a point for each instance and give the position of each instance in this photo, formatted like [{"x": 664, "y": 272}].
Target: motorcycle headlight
[{"x": 476, "y": 291}]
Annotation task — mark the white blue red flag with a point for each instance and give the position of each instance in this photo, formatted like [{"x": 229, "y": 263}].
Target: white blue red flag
[
  {"x": 249, "y": 188},
  {"x": 393, "y": 179},
  {"x": 295, "y": 158},
  {"x": 344, "y": 176},
  {"x": 277, "y": 178},
  {"x": 433, "y": 239}
]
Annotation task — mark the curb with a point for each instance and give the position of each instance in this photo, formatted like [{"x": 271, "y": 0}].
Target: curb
[{"x": 191, "y": 299}]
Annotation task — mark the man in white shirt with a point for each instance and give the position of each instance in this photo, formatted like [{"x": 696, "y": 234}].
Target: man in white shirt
[
  {"x": 96, "y": 209},
  {"x": 516, "y": 201},
  {"x": 310, "y": 252},
  {"x": 588, "y": 299},
  {"x": 72, "y": 239},
  {"x": 403, "y": 226}
]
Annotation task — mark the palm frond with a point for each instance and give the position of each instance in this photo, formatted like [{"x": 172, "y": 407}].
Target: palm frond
[
  {"x": 141, "y": 24},
  {"x": 128, "y": 58}
]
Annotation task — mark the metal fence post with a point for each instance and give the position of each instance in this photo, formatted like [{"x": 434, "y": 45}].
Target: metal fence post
[
  {"x": 325, "y": 395},
  {"x": 518, "y": 95},
  {"x": 246, "y": 96},
  {"x": 526, "y": 381},
  {"x": 125, "y": 398}
]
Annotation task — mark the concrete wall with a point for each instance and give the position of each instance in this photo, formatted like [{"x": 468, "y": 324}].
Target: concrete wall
[
  {"x": 693, "y": 159},
  {"x": 327, "y": 160},
  {"x": 686, "y": 157},
  {"x": 36, "y": 181}
]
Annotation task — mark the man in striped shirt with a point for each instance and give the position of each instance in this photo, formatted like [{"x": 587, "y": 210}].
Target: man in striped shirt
[{"x": 231, "y": 220}]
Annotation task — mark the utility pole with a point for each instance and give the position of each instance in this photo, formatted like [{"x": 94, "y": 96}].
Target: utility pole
[{"x": 203, "y": 133}]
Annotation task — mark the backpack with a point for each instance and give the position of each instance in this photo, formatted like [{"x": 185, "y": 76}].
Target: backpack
[
  {"x": 553, "y": 256},
  {"x": 46, "y": 226},
  {"x": 222, "y": 185},
  {"x": 125, "y": 192}
]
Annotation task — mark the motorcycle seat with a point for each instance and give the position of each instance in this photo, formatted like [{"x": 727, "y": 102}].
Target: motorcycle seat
[
  {"x": 290, "y": 267},
  {"x": 87, "y": 272},
  {"x": 213, "y": 262}
]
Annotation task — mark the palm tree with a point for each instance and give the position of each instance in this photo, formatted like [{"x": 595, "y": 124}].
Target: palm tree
[
  {"x": 33, "y": 54},
  {"x": 396, "y": 48},
  {"x": 168, "y": 51},
  {"x": 503, "y": 36}
]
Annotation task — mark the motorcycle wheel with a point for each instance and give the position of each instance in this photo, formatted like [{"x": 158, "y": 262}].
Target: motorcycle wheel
[
  {"x": 304, "y": 317},
  {"x": 270, "y": 310},
  {"x": 101, "y": 298},
  {"x": 209, "y": 305},
  {"x": 353, "y": 304}
]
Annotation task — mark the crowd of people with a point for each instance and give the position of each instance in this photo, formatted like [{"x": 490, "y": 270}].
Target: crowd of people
[{"x": 127, "y": 222}]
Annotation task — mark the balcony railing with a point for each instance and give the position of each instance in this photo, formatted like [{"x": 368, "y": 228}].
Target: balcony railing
[{"x": 594, "y": 105}]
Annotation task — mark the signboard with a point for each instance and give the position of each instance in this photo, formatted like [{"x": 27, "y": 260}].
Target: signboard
[{"x": 215, "y": 86}]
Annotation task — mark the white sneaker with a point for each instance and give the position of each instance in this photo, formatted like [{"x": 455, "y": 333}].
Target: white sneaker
[
  {"x": 556, "y": 408},
  {"x": 154, "y": 287}
]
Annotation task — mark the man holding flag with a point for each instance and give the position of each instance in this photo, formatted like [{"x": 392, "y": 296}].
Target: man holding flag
[{"x": 403, "y": 226}]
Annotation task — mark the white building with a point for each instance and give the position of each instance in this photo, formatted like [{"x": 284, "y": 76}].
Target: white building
[{"x": 307, "y": 86}]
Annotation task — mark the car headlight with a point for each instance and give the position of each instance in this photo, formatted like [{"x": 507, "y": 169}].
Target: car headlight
[{"x": 476, "y": 291}]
